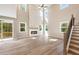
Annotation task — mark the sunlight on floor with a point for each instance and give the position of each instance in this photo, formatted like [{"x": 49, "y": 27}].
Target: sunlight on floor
[
  {"x": 33, "y": 37},
  {"x": 6, "y": 39},
  {"x": 53, "y": 39}
]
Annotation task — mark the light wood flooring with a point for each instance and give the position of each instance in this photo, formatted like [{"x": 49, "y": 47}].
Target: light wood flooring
[{"x": 29, "y": 46}]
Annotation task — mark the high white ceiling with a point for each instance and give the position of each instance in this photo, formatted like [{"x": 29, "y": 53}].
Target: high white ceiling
[{"x": 8, "y": 10}]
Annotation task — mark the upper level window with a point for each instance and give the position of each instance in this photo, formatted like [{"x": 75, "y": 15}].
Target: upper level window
[
  {"x": 23, "y": 7},
  {"x": 45, "y": 12},
  {"x": 63, "y": 6}
]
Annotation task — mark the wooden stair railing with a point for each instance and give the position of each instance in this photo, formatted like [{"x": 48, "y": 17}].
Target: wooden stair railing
[{"x": 68, "y": 33}]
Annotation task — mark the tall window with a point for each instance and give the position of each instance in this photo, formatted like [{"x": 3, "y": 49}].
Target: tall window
[
  {"x": 44, "y": 26},
  {"x": 23, "y": 7},
  {"x": 22, "y": 26}
]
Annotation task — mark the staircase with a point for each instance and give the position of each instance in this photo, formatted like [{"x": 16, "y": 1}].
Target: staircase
[{"x": 74, "y": 42}]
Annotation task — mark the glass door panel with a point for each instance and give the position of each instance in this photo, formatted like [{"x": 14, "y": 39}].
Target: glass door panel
[
  {"x": 0, "y": 29},
  {"x": 7, "y": 30}
]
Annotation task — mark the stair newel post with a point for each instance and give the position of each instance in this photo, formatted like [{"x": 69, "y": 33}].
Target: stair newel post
[
  {"x": 65, "y": 40},
  {"x": 73, "y": 19}
]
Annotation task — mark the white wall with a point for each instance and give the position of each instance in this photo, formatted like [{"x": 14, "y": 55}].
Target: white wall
[
  {"x": 56, "y": 16},
  {"x": 8, "y": 10},
  {"x": 34, "y": 16}
]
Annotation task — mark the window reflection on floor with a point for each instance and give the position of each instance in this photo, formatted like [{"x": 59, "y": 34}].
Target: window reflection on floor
[{"x": 53, "y": 39}]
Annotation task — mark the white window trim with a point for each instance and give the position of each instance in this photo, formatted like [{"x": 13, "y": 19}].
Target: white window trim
[
  {"x": 8, "y": 21},
  {"x": 61, "y": 24},
  {"x": 20, "y": 27}
]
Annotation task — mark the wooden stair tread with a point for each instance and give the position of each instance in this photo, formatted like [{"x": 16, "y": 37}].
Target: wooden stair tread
[
  {"x": 73, "y": 51},
  {"x": 75, "y": 35},
  {"x": 75, "y": 38},
  {"x": 74, "y": 32},
  {"x": 74, "y": 46},
  {"x": 75, "y": 29},
  {"x": 76, "y": 25},
  {"x": 75, "y": 41}
]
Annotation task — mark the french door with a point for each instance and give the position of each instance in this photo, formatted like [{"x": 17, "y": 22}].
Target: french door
[
  {"x": 6, "y": 29},
  {"x": 0, "y": 29}
]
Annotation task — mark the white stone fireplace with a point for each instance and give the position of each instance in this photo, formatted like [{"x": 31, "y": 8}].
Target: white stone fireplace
[{"x": 34, "y": 32}]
